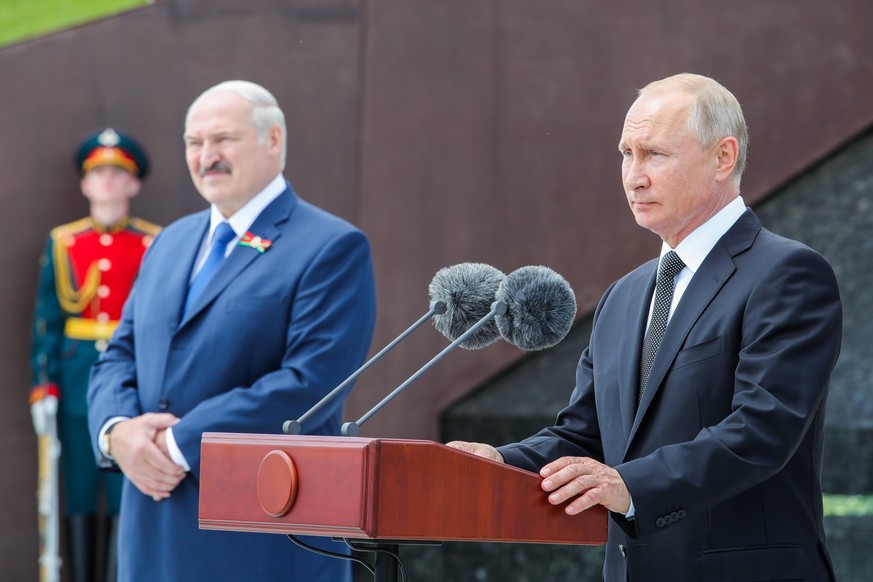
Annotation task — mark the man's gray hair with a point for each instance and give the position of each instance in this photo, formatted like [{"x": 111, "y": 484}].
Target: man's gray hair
[
  {"x": 715, "y": 113},
  {"x": 266, "y": 112}
]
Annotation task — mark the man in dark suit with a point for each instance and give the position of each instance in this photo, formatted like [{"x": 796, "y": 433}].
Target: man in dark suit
[
  {"x": 698, "y": 413},
  {"x": 243, "y": 316}
]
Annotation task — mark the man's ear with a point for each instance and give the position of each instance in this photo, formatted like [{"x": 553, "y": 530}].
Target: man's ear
[
  {"x": 274, "y": 139},
  {"x": 135, "y": 188},
  {"x": 726, "y": 152}
]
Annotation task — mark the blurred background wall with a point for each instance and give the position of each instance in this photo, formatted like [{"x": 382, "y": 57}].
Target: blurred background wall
[{"x": 449, "y": 131}]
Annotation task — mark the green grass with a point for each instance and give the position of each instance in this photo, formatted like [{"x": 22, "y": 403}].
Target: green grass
[
  {"x": 23, "y": 19},
  {"x": 840, "y": 505}
]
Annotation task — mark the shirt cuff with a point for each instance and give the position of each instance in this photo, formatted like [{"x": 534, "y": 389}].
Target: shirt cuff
[
  {"x": 101, "y": 436},
  {"x": 175, "y": 452},
  {"x": 631, "y": 512}
]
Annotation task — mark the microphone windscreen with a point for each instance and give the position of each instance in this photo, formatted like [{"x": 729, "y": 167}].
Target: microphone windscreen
[
  {"x": 468, "y": 291},
  {"x": 541, "y": 307}
]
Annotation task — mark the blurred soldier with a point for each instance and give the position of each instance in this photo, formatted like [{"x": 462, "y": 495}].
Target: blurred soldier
[{"x": 87, "y": 272}]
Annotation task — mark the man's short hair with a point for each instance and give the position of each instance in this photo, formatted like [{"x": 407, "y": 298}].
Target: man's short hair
[
  {"x": 715, "y": 113},
  {"x": 266, "y": 112}
]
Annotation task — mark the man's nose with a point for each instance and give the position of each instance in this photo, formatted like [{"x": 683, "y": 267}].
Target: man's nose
[
  {"x": 635, "y": 175},
  {"x": 209, "y": 154}
]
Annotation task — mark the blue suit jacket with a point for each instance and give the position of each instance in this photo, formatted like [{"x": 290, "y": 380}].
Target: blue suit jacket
[
  {"x": 271, "y": 334},
  {"x": 723, "y": 456}
]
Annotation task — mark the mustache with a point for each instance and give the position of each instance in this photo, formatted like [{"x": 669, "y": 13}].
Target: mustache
[{"x": 216, "y": 167}]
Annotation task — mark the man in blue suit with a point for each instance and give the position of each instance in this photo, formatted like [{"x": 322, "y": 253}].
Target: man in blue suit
[
  {"x": 698, "y": 413},
  {"x": 243, "y": 316}
]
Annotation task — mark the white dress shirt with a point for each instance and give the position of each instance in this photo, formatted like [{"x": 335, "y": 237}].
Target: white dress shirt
[{"x": 696, "y": 246}]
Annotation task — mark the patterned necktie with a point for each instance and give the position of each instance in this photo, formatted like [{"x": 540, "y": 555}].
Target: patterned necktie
[
  {"x": 223, "y": 235},
  {"x": 671, "y": 264}
]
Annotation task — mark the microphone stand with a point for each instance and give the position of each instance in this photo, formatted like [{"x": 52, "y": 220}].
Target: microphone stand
[
  {"x": 386, "y": 568},
  {"x": 387, "y": 564},
  {"x": 386, "y": 558}
]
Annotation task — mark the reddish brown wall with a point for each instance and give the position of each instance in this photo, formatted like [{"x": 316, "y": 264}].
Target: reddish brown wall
[{"x": 450, "y": 131}]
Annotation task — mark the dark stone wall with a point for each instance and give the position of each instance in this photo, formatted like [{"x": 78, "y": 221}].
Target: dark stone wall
[{"x": 830, "y": 208}]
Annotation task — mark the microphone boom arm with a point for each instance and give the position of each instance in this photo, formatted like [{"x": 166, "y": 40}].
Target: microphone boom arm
[
  {"x": 354, "y": 428},
  {"x": 293, "y": 427}
]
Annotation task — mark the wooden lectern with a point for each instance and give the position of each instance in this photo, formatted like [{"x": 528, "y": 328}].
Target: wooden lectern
[{"x": 377, "y": 489}]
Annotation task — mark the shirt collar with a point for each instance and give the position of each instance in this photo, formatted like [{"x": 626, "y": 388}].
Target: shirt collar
[
  {"x": 241, "y": 220},
  {"x": 694, "y": 248}
]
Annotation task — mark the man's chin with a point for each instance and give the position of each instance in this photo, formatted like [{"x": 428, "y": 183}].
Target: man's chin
[
  {"x": 643, "y": 220},
  {"x": 212, "y": 194},
  {"x": 106, "y": 197}
]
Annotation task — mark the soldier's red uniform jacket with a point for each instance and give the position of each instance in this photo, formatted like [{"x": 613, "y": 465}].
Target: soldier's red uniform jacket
[{"x": 87, "y": 274}]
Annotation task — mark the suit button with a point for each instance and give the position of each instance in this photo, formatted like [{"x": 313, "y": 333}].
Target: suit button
[
  {"x": 675, "y": 515},
  {"x": 622, "y": 550},
  {"x": 661, "y": 522},
  {"x": 163, "y": 404},
  {"x": 682, "y": 513}
]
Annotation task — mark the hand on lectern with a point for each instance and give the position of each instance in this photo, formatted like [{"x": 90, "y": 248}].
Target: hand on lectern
[
  {"x": 478, "y": 449},
  {"x": 586, "y": 483}
]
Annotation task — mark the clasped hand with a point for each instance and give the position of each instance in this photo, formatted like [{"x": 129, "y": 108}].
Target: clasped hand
[
  {"x": 581, "y": 480},
  {"x": 139, "y": 446}
]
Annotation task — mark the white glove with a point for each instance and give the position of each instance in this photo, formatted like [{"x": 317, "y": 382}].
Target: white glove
[{"x": 44, "y": 408}]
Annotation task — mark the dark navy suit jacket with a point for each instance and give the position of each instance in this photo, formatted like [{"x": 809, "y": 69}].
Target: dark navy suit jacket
[
  {"x": 271, "y": 334},
  {"x": 723, "y": 456}
]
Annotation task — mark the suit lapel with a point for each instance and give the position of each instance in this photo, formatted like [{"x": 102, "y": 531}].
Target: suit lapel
[
  {"x": 181, "y": 253},
  {"x": 265, "y": 226},
  {"x": 631, "y": 346},
  {"x": 177, "y": 279},
  {"x": 706, "y": 283}
]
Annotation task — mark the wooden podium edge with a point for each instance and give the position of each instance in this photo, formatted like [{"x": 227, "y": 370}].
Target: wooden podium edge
[{"x": 376, "y": 485}]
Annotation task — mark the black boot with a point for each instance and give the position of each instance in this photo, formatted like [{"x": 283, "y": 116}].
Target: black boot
[
  {"x": 80, "y": 540},
  {"x": 112, "y": 549}
]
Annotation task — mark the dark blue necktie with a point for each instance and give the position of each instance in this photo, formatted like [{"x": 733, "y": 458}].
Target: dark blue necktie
[
  {"x": 223, "y": 235},
  {"x": 671, "y": 265}
]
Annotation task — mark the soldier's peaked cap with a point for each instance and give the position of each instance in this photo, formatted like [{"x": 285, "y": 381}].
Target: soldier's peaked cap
[{"x": 110, "y": 147}]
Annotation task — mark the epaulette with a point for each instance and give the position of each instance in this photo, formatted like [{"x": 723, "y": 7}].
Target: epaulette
[
  {"x": 144, "y": 226},
  {"x": 72, "y": 299},
  {"x": 71, "y": 228}
]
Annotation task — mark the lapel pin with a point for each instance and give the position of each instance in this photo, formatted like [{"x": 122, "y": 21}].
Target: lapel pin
[{"x": 255, "y": 242}]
